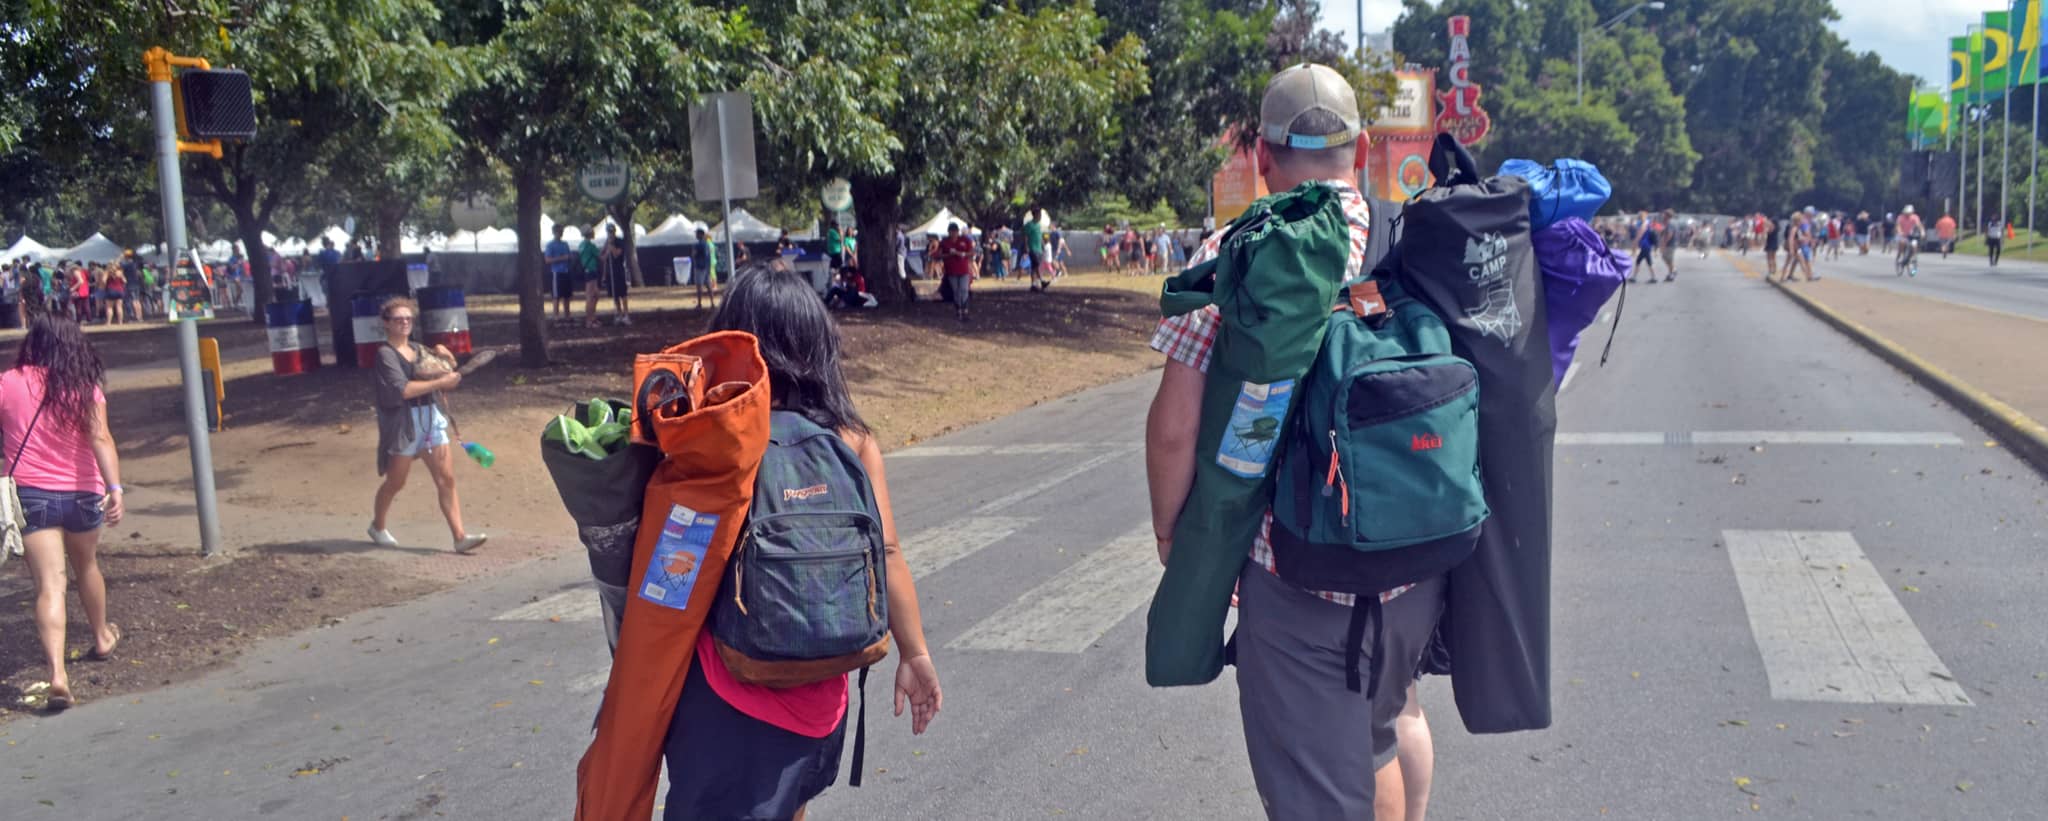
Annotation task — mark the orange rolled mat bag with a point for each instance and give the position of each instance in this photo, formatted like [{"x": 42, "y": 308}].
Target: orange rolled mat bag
[{"x": 705, "y": 404}]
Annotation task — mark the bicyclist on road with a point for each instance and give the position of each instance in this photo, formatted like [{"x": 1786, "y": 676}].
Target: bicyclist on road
[{"x": 1909, "y": 238}]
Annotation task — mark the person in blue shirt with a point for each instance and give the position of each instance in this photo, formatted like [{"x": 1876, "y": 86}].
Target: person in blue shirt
[
  {"x": 561, "y": 263},
  {"x": 330, "y": 260}
]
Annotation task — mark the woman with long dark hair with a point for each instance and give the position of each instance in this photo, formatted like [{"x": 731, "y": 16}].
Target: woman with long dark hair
[
  {"x": 413, "y": 422},
  {"x": 53, "y": 424},
  {"x": 776, "y": 749}
]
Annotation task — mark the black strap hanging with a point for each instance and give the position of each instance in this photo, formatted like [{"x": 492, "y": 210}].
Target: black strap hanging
[{"x": 860, "y": 732}]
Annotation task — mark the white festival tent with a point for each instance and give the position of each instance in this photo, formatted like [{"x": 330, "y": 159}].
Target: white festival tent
[
  {"x": 96, "y": 249},
  {"x": 936, "y": 226},
  {"x": 676, "y": 230},
  {"x": 26, "y": 247},
  {"x": 747, "y": 228}
]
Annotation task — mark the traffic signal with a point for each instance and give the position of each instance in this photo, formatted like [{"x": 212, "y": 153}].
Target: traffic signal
[{"x": 216, "y": 104}]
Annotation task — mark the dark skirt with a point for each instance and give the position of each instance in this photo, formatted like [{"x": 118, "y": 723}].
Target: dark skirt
[{"x": 737, "y": 768}]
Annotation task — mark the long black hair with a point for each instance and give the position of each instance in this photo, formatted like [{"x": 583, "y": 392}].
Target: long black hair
[
  {"x": 71, "y": 370},
  {"x": 799, "y": 341}
]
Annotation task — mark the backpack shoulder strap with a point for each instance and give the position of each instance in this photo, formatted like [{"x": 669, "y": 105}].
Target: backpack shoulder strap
[{"x": 1386, "y": 231}]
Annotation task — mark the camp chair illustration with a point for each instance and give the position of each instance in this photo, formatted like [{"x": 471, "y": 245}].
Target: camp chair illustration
[{"x": 1257, "y": 436}]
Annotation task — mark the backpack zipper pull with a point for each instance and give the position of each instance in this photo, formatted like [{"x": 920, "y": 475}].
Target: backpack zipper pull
[{"x": 1335, "y": 477}]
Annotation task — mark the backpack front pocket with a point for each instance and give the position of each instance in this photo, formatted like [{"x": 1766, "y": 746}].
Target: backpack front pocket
[
  {"x": 1405, "y": 451},
  {"x": 807, "y": 586}
]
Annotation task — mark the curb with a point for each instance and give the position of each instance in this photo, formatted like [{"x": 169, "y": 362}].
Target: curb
[{"x": 2022, "y": 435}]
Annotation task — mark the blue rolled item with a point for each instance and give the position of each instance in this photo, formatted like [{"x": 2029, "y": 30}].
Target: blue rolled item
[{"x": 1565, "y": 189}]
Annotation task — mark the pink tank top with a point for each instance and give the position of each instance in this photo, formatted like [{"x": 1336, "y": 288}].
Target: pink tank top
[{"x": 810, "y": 710}]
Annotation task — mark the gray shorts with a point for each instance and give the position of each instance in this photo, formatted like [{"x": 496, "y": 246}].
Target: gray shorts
[{"x": 1314, "y": 744}]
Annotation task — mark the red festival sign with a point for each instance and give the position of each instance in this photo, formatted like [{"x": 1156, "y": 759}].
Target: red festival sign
[{"x": 1460, "y": 114}]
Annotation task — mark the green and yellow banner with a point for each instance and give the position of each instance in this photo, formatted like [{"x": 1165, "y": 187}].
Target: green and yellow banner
[
  {"x": 1997, "y": 54},
  {"x": 2026, "y": 47},
  {"x": 1959, "y": 71},
  {"x": 1927, "y": 118}
]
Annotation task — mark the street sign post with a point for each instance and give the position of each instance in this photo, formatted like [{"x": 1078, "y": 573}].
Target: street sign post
[
  {"x": 164, "y": 109},
  {"x": 722, "y": 154}
]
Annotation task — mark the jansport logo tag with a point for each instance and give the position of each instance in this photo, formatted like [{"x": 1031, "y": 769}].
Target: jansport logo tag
[
  {"x": 1425, "y": 441},
  {"x": 803, "y": 493}
]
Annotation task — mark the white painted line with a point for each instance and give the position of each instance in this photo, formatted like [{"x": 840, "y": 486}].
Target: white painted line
[
  {"x": 1799, "y": 437},
  {"x": 1002, "y": 504},
  {"x": 1762, "y": 437},
  {"x": 1070, "y": 611},
  {"x": 1610, "y": 439},
  {"x": 1025, "y": 449},
  {"x": 931, "y": 550},
  {"x": 1570, "y": 371},
  {"x": 590, "y": 682},
  {"x": 1828, "y": 625},
  {"x": 568, "y": 605}
]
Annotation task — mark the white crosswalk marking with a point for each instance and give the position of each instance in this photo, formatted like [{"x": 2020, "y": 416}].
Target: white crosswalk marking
[
  {"x": 590, "y": 682},
  {"x": 1828, "y": 626},
  {"x": 931, "y": 550},
  {"x": 1071, "y": 610},
  {"x": 568, "y": 605},
  {"x": 1003, "y": 503}
]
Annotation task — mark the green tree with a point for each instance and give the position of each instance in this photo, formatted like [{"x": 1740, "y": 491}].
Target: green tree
[
  {"x": 560, "y": 77},
  {"x": 1858, "y": 168},
  {"x": 964, "y": 103}
]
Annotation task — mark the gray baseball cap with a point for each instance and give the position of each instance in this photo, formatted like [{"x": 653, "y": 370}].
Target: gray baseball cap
[{"x": 1299, "y": 90}]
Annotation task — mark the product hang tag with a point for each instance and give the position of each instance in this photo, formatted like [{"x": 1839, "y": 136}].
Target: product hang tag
[{"x": 1364, "y": 299}]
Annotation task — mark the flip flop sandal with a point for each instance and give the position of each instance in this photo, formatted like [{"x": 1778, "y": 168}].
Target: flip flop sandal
[
  {"x": 60, "y": 700},
  {"x": 96, "y": 655}
]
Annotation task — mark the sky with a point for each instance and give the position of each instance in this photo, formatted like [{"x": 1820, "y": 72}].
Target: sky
[{"x": 1911, "y": 35}]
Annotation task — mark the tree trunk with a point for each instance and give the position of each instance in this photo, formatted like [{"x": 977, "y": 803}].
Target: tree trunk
[
  {"x": 533, "y": 317},
  {"x": 877, "y": 208},
  {"x": 622, "y": 213},
  {"x": 259, "y": 262},
  {"x": 390, "y": 216}
]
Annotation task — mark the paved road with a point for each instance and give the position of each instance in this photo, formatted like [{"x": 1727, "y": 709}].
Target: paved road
[
  {"x": 1779, "y": 560},
  {"x": 2015, "y": 286}
]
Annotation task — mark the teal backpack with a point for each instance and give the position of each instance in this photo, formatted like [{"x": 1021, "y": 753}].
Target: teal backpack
[{"x": 1378, "y": 477}]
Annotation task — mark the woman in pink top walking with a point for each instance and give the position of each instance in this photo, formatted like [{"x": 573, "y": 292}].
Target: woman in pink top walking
[{"x": 53, "y": 421}]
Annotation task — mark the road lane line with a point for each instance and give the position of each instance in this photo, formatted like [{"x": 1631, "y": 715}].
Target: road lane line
[
  {"x": 1003, "y": 503},
  {"x": 1565, "y": 384},
  {"x": 1828, "y": 626},
  {"x": 1073, "y": 609},
  {"x": 1815, "y": 437},
  {"x": 569, "y": 605},
  {"x": 931, "y": 550},
  {"x": 1762, "y": 437},
  {"x": 1024, "y": 449}
]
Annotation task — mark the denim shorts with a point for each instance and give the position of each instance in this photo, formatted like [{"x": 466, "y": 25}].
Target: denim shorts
[
  {"x": 74, "y": 510},
  {"x": 429, "y": 428}
]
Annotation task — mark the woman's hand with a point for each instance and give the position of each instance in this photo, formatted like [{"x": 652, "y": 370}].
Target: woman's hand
[
  {"x": 448, "y": 381},
  {"x": 918, "y": 681},
  {"x": 111, "y": 507}
]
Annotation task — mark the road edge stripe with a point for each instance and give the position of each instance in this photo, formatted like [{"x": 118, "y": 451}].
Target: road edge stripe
[{"x": 2020, "y": 433}]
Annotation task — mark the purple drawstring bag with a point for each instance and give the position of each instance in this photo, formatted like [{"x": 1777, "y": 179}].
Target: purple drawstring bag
[{"x": 1579, "y": 273}]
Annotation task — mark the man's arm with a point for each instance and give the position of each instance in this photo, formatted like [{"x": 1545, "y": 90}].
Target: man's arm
[{"x": 1170, "y": 431}]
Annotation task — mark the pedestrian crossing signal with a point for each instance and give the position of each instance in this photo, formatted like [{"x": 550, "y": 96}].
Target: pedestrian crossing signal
[{"x": 215, "y": 104}]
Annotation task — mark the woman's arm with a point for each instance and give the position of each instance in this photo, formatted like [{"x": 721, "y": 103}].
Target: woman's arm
[
  {"x": 916, "y": 678},
  {"x": 104, "y": 453},
  {"x": 417, "y": 388}
]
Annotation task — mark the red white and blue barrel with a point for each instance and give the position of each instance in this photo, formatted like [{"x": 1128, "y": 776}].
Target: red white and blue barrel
[
  {"x": 368, "y": 326},
  {"x": 294, "y": 346},
  {"x": 444, "y": 317}
]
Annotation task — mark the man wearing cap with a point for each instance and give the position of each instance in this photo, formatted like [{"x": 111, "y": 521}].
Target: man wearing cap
[{"x": 1317, "y": 748}]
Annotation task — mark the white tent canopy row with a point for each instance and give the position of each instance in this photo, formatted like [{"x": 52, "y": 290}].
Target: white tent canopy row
[
  {"x": 747, "y": 228},
  {"x": 96, "y": 249}
]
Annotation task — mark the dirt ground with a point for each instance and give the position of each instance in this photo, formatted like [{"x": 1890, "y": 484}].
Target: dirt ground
[{"x": 294, "y": 467}]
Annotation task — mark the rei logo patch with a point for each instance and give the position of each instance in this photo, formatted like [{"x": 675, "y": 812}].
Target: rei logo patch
[{"x": 1425, "y": 441}]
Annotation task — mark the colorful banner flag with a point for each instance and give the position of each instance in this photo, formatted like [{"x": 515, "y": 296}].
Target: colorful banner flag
[
  {"x": 1927, "y": 117},
  {"x": 1997, "y": 53},
  {"x": 2026, "y": 46}
]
